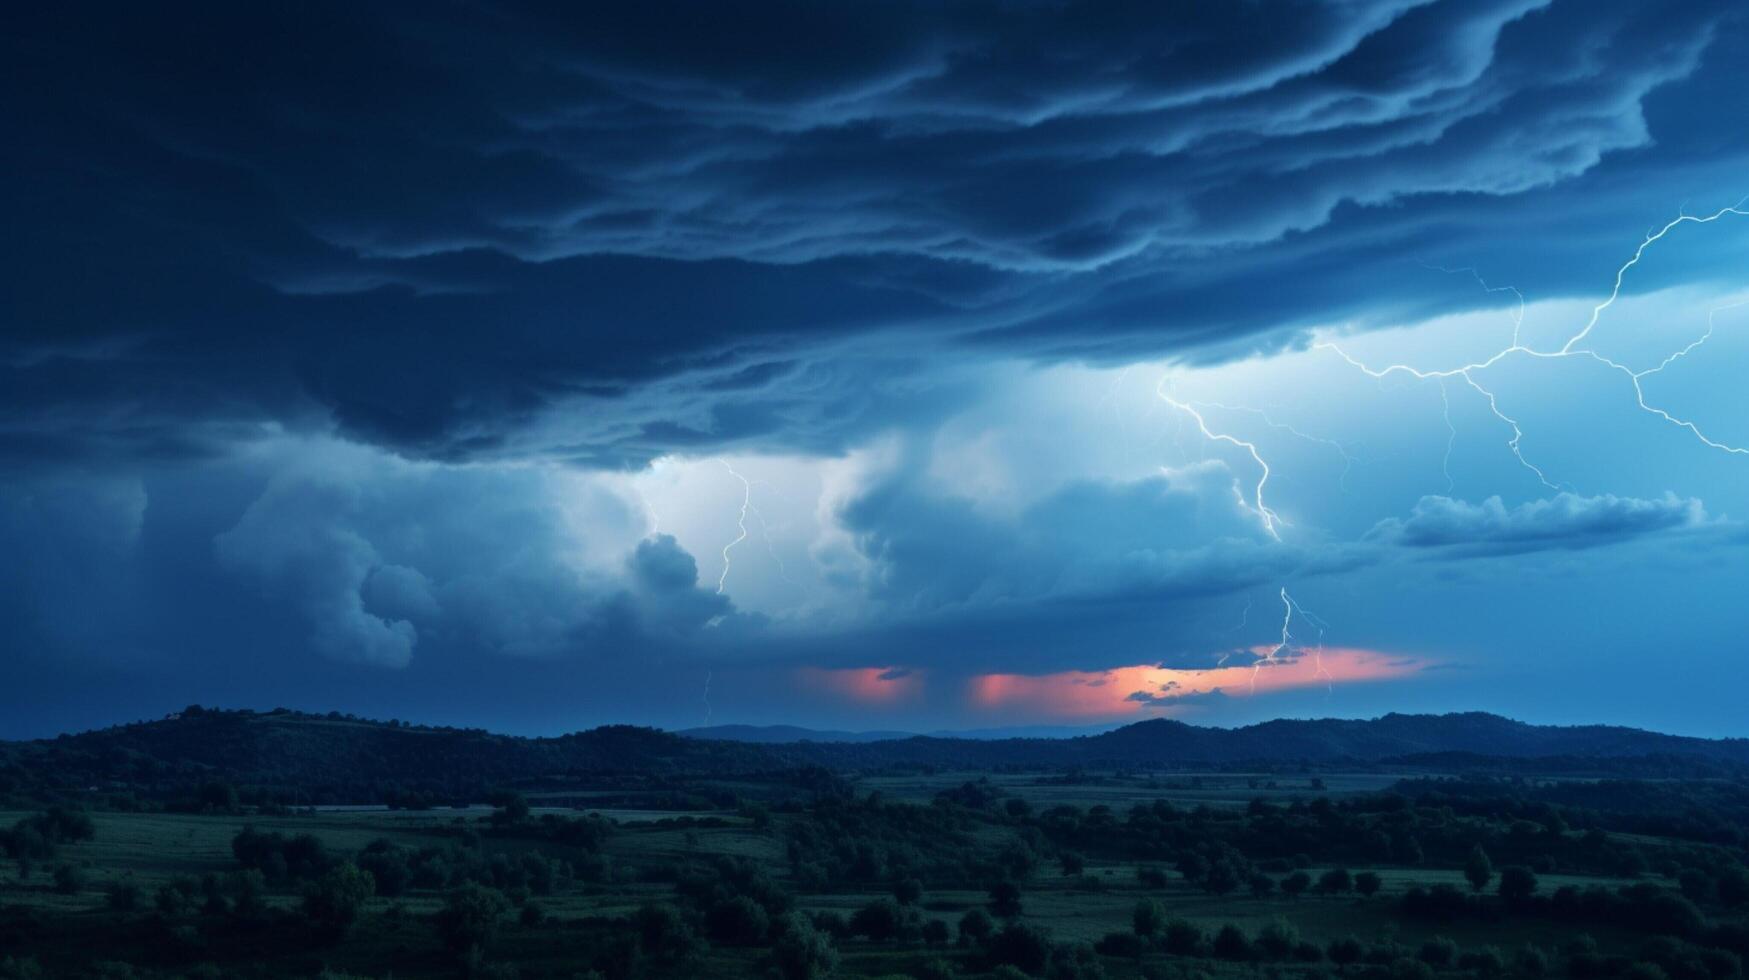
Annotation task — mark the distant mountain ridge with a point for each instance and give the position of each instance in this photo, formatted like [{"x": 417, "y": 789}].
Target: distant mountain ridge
[
  {"x": 336, "y": 757},
  {"x": 781, "y": 734}
]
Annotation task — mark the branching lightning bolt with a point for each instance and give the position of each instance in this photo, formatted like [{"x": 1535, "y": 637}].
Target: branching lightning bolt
[
  {"x": 747, "y": 506},
  {"x": 1272, "y": 521},
  {"x": 741, "y": 524},
  {"x": 1290, "y": 607},
  {"x": 1571, "y": 348},
  {"x": 1348, "y": 459}
]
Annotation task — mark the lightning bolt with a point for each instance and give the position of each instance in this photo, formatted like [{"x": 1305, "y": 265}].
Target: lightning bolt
[
  {"x": 1290, "y": 607},
  {"x": 1272, "y": 521},
  {"x": 1571, "y": 348},
  {"x": 1348, "y": 459},
  {"x": 741, "y": 523},
  {"x": 747, "y": 506}
]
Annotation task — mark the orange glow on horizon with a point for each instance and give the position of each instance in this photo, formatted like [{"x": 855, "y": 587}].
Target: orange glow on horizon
[
  {"x": 1107, "y": 693},
  {"x": 1091, "y": 695},
  {"x": 876, "y": 685}
]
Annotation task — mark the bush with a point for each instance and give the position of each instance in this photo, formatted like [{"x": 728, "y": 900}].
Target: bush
[
  {"x": 1368, "y": 884},
  {"x": 1277, "y": 939},
  {"x": 879, "y": 920},
  {"x": 1005, "y": 900},
  {"x": 1294, "y": 885},
  {"x": 69, "y": 880},
  {"x": 469, "y": 919},
  {"x": 1182, "y": 938},
  {"x": 664, "y": 934},
  {"x": 1478, "y": 869},
  {"x": 936, "y": 932},
  {"x": 1231, "y": 944},
  {"x": 976, "y": 926},
  {"x": 1345, "y": 951},
  {"x": 1486, "y": 961},
  {"x": 333, "y": 903},
  {"x": 1335, "y": 881},
  {"x": 1517, "y": 884},
  {"x": 1438, "y": 952},
  {"x": 1075, "y": 962},
  {"x": 738, "y": 921},
  {"x": 1125, "y": 944},
  {"x": 1149, "y": 918},
  {"x": 1026, "y": 948},
  {"x": 124, "y": 896},
  {"x": 802, "y": 952},
  {"x": 1404, "y": 968},
  {"x": 1150, "y": 876},
  {"x": 907, "y": 891}
]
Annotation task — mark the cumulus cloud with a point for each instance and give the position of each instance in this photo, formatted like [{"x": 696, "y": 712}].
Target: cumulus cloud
[
  {"x": 376, "y": 554},
  {"x": 1566, "y": 521},
  {"x": 930, "y": 550}
]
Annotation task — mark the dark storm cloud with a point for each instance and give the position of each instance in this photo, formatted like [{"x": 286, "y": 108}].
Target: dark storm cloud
[
  {"x": 432, "y": 227},
  {"x": 1563, "y": 522}
]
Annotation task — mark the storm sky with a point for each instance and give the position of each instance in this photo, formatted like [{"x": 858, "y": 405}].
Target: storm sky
[{"x": 875, "y": 365}]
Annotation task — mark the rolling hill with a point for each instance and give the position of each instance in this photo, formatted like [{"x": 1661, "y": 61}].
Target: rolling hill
[{"x": 338, "y": 758}]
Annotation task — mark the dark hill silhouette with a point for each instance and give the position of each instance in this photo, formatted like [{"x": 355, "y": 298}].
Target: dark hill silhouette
[{"x": 334, "y": 757}]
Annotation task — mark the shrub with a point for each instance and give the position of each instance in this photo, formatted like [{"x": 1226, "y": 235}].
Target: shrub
[
  {"x": 1124, "y": 944},
  {"x": 1517, "y": 884},
  {"x": 738, "y": 921},
  {"x": 802, "y": 952},
  {"x": 469, "y": 919},
  {"x": 976, "y": 926},
  {"x": 1277, "y": 939},
  {"x": 1438, "y": 952},
  {"x": 333, "y": 903},
  {"x": 69, "y": 880},
  {"x": 1478, "y": 869},
  {"x": 1005, "y": 900},
  {"x": 1368, "y": 883},
  {"x": 124, "y": 896},
  {"x": 1182, "y": 938},
  {"x": 1024, "y": 947},
  {"x": 1345, "y": 951},
  {"x": 1149, "y": 918},
  {"x": 878, "y": 920},
  {"x": 1231, "y": 944},
  {"x": 1335, "y": 881}
]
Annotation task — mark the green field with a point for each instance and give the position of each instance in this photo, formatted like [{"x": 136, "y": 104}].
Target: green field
[{"x": 810, "y": 858}]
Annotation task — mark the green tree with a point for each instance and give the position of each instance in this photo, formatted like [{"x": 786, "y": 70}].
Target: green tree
[
  {"x": 907, "y": 891},
  {"x": 803, "y": 952},
  {"x": 469, "y": 918},
  {"x": 1367, "y": 883},
  {"x": 1478, "y": 870},
  {"x": 332, "y": 904},
  {"x": 1149, "y": 918},
  {"x": 976, "y": 926},
  {"x": 1517, "y": 883},
  {"x": 1005, "y": 900}
]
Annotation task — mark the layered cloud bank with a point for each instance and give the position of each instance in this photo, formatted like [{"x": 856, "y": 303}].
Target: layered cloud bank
[{"x": 937, "y": 361}]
